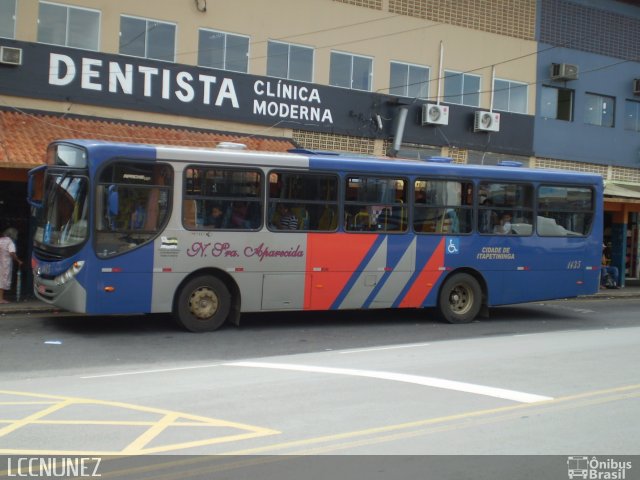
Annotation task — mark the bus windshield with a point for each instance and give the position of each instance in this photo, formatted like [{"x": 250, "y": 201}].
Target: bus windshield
[{"x": 63, "y": 219}]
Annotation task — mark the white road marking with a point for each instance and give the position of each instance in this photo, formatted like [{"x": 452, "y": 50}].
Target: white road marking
[
  {"x": 159, "y": 370},
  {"x": 377, "y": 349},
  {"x": 400, "y": 377}
]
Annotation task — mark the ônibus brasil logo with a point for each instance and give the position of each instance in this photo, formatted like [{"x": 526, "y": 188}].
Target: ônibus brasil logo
[{"x": 597, "y": 469}]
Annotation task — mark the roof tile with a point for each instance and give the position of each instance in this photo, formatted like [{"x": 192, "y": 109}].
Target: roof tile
[{"x": 24, "y": 136}]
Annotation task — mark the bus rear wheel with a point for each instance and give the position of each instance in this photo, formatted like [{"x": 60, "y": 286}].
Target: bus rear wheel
[
  {"x": 460, "y": 298},
  {"x": 203, "y": 304}
]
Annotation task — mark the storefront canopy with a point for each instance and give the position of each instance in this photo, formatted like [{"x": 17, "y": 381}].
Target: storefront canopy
[{"x": 612, "y": 189}]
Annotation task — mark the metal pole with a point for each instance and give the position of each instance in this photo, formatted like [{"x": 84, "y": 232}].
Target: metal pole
[{"x": 18, "y": 284}]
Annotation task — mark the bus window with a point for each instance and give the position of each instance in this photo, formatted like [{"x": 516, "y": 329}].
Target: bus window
[
  {"x": 505, "y": 208},
  {"x": 375, "y": 204},
  {"x": 132, "y": 205},
  {"x": 564, "y": 211},
  {"x": 303, "y": 201},
  {"x": 222, "y": 198},
  {"x": 442, "y": 206}
]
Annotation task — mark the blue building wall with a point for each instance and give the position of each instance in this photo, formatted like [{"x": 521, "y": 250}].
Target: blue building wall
[
  {"x": 602, "y": 37},
  {"x": 576, "y": 140}
]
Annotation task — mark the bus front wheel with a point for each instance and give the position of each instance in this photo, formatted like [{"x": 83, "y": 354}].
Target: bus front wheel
[
  {"x": 203, "y": 304},
  {"x": 460, "y": 298}
]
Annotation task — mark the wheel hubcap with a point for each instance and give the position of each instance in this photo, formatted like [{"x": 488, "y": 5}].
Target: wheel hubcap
[
  {"x": 203, "y": 303},
  {"x": 461, "y": 299}
]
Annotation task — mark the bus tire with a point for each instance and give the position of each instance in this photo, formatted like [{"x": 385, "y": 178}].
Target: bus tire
[
  {"x": 460, "y": 298},
  {"x": 204, "y": 303}
]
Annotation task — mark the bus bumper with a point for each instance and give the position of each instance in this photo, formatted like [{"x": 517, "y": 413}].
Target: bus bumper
[{"x": 69, "y": 296}]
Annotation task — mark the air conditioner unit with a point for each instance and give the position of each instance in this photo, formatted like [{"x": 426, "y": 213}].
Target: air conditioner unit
[
  {"x": 11, "y": 55},
  {"x": 435, "y": 114},
  {"x": 564, "y": 71},
  {"x": 636, "y": 86},
  {"x": 486, "y": 122}
]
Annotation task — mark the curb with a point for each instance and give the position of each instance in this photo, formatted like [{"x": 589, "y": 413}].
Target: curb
[{"x": 30, "y": 310}]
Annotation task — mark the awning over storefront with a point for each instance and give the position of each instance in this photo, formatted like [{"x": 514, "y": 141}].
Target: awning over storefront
[
  {"x": 612, "y": 189},
  {"x": 24, "y": 136}
]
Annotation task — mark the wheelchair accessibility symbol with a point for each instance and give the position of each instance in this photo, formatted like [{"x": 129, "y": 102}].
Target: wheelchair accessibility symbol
[{"x": 453, "y": 246}]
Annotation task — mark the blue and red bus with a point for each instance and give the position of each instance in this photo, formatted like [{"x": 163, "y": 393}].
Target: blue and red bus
[{"x": 209, "y": 234}]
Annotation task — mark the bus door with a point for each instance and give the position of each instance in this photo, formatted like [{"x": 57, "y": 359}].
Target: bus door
[{"x": 124, "y": 283}]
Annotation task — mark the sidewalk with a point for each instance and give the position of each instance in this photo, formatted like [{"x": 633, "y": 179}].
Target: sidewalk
[
  {"x": 31, "y": 305},
  {"x": 28, "y": 305}
]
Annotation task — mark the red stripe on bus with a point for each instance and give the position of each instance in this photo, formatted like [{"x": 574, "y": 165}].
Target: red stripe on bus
[
  {"x": 339, "y": 254},
  {"x": 425, "y": 281}
]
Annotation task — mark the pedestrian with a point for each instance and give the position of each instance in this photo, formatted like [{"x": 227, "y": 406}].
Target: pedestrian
[
  {"x": 7, "y": 257},
  {"x": 610, "y": 275}
]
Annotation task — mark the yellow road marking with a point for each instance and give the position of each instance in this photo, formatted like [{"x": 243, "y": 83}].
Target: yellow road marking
[
  {"x": 391, "y": 433},
  {"x": 137, "y": 446},
  {"x": 455, "y": 426},
  {"x": 35, "y": 416},
  {"x": 345, "y": 440},
  {"x": 121, "y": 423},
  {"x": 449, "y": 418}
]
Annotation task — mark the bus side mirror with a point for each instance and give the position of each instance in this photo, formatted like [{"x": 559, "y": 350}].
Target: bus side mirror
[
  {"x": 35, "y": 186},
  {"x": 113, "y": 200}
]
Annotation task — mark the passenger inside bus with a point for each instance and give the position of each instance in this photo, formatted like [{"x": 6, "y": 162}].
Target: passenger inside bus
[
  {"x": 239, "y": 215},
  {"x": 487, "y": 218},
  {"x": 139, "y": 215},
  {"x": 215, "y": 218},
  {"x": 504, "y": 225},
  {"x": 284, "y": 218}
]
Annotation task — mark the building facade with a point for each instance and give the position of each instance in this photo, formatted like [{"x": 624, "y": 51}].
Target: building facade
[{"x": 469, "y": 79}]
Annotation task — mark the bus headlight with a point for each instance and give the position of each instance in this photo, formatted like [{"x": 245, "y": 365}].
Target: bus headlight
[{"x": 69, "y": 274}]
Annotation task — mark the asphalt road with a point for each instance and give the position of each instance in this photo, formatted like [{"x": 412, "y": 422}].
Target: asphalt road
[{"x": 555, "y": 378}]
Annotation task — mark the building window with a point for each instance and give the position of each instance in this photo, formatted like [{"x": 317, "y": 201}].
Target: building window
[
  {"x": 599, "y": 110},
  {"x": 632, "y": 116},
  {"x": 141, "y": 37},
  {"x": 293, "y": 62},
  {"x": 556, "y": 103},
  {"x": 408, "y": 80},
  {"x": 510, "y": 96},
  {"x": 223, "y": 50},
  {"x": 68, "y": 26},
  {"x": 7, "y": 18},
  {"x": 462, "y": 88},
  {"x": 350, "y": 71}
]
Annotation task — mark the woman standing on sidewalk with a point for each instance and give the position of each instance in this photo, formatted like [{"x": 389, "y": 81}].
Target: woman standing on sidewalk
[{"x": 7, "y": 257}]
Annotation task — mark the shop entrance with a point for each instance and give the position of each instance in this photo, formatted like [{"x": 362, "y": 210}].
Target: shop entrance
[
  {"x": 14, "y": 212},
  {"x": 621, "y": 237}
]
